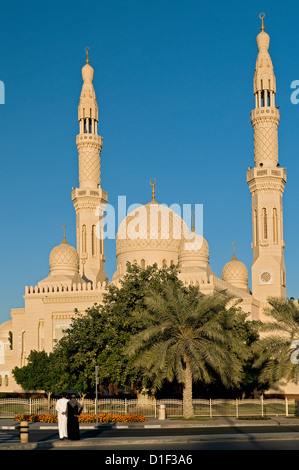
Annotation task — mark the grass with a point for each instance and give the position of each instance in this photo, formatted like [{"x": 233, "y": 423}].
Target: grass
[
  {"x": 196, "y": 418},
  {"x": 252, "y": 418}
]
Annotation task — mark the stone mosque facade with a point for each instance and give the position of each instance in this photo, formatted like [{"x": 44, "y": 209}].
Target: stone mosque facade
[{"x": 77, "y": 277}]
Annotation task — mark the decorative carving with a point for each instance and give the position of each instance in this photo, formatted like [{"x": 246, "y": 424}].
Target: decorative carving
[
  {"x": 265, "y": 142},
  {"x": 152, "y": 226},
  {"x": 265, "y": 277},
  {"x": 89, "y": 164}
]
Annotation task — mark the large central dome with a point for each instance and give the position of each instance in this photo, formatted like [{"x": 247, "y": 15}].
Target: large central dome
[
  {"x": 150, "y": 226},
  {"x": 149, "y": 234}
]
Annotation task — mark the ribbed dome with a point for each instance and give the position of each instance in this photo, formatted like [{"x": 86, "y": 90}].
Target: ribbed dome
[
  {"x": 152, "y": 226},
  {"x": 64, "y": 259},
  {"x": 194, "y": 249},
  {"x": 235, "y": 273}
]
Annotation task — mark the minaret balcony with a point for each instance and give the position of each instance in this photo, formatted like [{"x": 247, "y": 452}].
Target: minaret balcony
[
  {"x": 86, "y": 137},
  {"x": 260, "y": 172},
  {"x": 265, "y": 112},
  {"x": 266, "y": 179},
  {"x": 97, "y": 195}
]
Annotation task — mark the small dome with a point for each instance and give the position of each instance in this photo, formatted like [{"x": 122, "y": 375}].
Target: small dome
[
  {"x": 64, "y": 259},
  {"x": 235, "y": 273},
  {"x": 194, "y": 248}
]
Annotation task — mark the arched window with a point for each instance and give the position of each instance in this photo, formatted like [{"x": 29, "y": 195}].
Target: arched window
[
  {"x": 275, "y": 226},
  {"x": 254, "y": 228},
  {"x": 84, "y": 238},
  {"x": 41, "y": 336},
  {"x": 264, "y": 223},
  {"x": 142, "y": 263},
  {"x": 164, "y": 263},
  {"x": 93, "y": 240}
]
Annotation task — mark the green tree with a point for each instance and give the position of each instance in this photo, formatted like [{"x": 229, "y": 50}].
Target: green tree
[
  {"x": 94, "y": 337},
  {"x": 189, "y": 337},
  {"x": 98, "y": 336},
  {"x": 277, "y": 348},
  {"x": 38, "y": 374}
]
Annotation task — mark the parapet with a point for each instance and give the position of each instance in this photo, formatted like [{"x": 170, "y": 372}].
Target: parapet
[{"x": 64, "y": 288}]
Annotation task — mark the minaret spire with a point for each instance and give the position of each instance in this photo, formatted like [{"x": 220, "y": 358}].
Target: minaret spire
[
  {"x": 265, "y": 118},
  {"x": 87, "y": 51},
  {"x": 89, "y": 146},
  {"x": 266, "y": 180},
  {"x": 153, "y": 183},
  {"x": 89, "y": 199}
]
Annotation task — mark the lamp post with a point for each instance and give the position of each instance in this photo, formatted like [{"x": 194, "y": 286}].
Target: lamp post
[{"x": 96, "y": 385}]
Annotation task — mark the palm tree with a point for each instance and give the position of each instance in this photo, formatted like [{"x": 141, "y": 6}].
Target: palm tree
[
  {"x": 188, "y": 337},
  {"x": 276, "y": 349}
]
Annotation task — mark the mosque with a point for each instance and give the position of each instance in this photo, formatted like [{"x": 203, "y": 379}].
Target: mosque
[{"x": 153, "y": 233}]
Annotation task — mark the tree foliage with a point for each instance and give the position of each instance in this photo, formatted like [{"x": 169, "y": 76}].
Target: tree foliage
[
  {"x": 276, "y": 353},
  {"x": 98, "y": 336},
  {"x": 38, "y": 374},
  {"x": 190, "y": 337}
]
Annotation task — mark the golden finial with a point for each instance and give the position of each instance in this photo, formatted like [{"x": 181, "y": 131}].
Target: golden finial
[
  {"x": 234, "y": 254},
  {"x": 87, "y": 51},
  {"x": 64, "y": 227},
  {"x": 262, "y": 16},
  {"x": 153, "y": 183},
  {"x": 192, "y": 223}
]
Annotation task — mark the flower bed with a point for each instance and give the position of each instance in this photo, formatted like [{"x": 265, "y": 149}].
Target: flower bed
[
  {"x": 112, "y": 418},
  {"x": 37, "y": 418},
  {"x": 102, "y": 418}
]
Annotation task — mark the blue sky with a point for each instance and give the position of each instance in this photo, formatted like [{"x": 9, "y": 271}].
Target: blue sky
[{"x": 173, "y": 81}]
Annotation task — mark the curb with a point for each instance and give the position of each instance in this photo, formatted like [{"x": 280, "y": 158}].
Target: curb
[{"x": 112, "y": 442}]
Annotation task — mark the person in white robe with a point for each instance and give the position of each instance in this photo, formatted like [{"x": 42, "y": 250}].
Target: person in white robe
[{"x": 61, "y": 408}]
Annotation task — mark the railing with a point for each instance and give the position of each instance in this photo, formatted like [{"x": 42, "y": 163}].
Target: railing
[{"x": 9, "y": 407}]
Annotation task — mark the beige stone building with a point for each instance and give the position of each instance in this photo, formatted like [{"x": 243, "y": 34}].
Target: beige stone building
[{"x": 152, "y": 233}]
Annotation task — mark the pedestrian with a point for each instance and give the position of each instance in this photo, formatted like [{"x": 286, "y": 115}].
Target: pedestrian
[
  {"x": 61, "y": 407},
  {"x": 74, "y": 409}
]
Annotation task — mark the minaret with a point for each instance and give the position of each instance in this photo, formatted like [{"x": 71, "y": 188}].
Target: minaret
[
  {"x": 266, "y": 182},
  {"x": 89, "y": 199}
]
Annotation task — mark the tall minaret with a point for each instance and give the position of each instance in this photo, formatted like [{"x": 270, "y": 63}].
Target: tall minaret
[
  {"x": 266, "y": 182},
  {"x": 89, "y": 199}
]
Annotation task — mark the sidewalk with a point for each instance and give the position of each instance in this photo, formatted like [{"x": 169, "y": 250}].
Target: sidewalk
[{"x": 6, "y": 423}]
